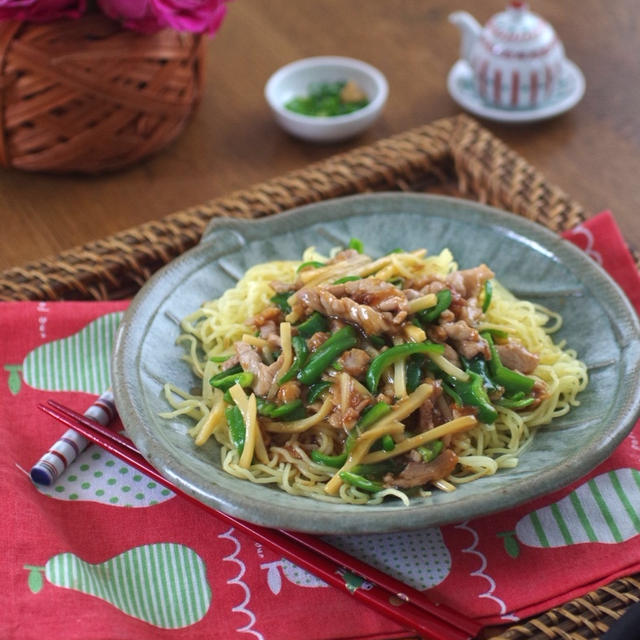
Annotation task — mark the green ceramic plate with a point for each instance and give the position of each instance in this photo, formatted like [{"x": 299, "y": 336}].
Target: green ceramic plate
[{"x": 530, "y": 260}]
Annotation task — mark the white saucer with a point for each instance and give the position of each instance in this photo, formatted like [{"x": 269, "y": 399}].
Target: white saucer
[{"x": 569, "y": 92}]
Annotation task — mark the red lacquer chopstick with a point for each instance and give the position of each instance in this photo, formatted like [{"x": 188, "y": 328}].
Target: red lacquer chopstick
[{"x": 385, "y": 594}]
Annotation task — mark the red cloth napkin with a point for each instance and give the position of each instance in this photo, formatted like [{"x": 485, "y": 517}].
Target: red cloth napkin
[{"x": 106, "y": 553}]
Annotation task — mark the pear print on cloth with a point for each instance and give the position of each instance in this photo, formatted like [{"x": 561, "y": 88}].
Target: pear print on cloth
[
  {"x": 97, "y": 476},
  {"x": 605, "y": 509},
  {"x": 80, "y": 362},
  {"x": 164, "y": 584},
  {"x": 417, "y": 558}
]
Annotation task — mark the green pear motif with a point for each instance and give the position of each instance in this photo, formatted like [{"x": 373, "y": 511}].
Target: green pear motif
[
  {"x": 80, "y": 362},
  {"x": 164, "y": 584},
  {"x": 605, "y": 509}
]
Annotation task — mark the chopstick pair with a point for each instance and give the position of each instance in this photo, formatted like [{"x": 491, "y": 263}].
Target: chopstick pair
[{"x": 388, "y": 596}]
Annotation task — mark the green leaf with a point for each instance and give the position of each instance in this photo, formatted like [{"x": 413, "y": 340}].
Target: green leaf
[
  {"x": 510, "y": 542},
  {"x": 14, "y": 381},
  {"x": 35, "y": 581}
]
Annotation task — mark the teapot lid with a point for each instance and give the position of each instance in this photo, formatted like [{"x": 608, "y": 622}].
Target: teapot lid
[{"x": 517, "y": 25}]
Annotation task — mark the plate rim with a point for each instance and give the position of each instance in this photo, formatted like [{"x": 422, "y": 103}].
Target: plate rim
[{"x": 257, "y": 228}]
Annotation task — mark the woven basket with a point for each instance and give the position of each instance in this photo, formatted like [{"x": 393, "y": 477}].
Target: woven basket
[{"x": 89, "y": 96}]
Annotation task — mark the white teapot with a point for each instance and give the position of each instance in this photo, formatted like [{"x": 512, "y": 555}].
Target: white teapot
[{"x": 516, "y": 58}]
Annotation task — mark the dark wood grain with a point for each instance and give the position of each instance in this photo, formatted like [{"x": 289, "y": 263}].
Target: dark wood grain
[{"x": 592, "y": 152}]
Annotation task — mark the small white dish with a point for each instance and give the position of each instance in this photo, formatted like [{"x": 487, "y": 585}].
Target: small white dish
[
  {"x": 567, "y": 94},
  {"x": 294, "y": 79}
]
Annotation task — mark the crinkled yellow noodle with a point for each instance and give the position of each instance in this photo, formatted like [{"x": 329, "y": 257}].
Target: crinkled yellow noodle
[{"x": 280, "y": 452}]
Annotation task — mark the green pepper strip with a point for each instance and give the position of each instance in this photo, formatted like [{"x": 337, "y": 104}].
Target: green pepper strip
[
  {"x": 314, "y": 323},
  {"x": 370, "y": 417},
  {"x": 413, "y": 373},
  {"x": 497, "y": 333},
  {"x": 479, "y": 365},
  {"x": 452, "y": 394},
  {"x": 311, "y": 263},
  {"x": 244, "y": 379},
  {"x": 237, "y": 428},
  {"x": 377, "y": 341},
  {"x": 488, "y": 292},
  {"x": 347, "y": 279},
  {"x": 511, "y": 403},
  {"x": 219, "y": 359},
  {"x": 377, "y": 470},
  {"x": 225, "y": 374},
  {"x": 432, "y": 451},
  {"x": 302, "y": 353},
  {"x": 511, "y": 380},
  {"x": 285, "y": 409},
  {"x": 280, "y": 300},
  {"x": 384, "y": 359},
  {"x": 361, "y": 482},
  {"x": 388, "y": 443},
  {"x": 430, "y": 315},
  {"x": 473, "y": 393},
  {"x": 264, "y": 407},
  {"x": 288, "y": 411},
  {"x": 326, "y": 353},
  {"x": 317, "y": 389},
  {"x": 329, "y": 461}
]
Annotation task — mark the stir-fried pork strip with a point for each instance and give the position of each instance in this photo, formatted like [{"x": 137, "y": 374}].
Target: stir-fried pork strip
[
  {"x": 346, "y": 255},
  {"x": 289, "y": 392},
  {"x": 282, "y": 287},
  {"x": 271, "y": 314},
  {"x": 230, "y": 362},
  {"x": 250, "y": 361},
  {"x": 355, "y": 362},
  {"x": 466, "y": 339},
  {"x": 371, "y": 321},
  {"x": 429, "y": 415},
  {"x": 418, "y": 474},
  {"x": 355, "y": 404},
  {"x": 451, "y": 355},
  {"x": 375, "y": 305},
  {"x": 379, "y": 294},
  {"x": 469, "y": 282},
  {"x": 465, "y": 287},
  {"x": 270, "y": 331},
  {"x": 268, "y": 324},
  {"x": 515, "y": 355},
  {"x": 317, "y": 339}
]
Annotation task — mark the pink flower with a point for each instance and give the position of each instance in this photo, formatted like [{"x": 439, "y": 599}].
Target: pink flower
[
  {"x": 41, "y": 10},
  {"x": 147, "y": 16}
]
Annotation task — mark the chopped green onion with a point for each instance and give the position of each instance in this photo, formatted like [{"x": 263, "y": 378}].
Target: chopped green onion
[
  {"x": 314, "y": 323},
  {"x": 356, "y": 244},
  {"x": 219, "y": 358},
  {"x": 281, "y": 300},
  {"x": 488, "y": 292},
  {"x": 347, "y": 279},
  {"x": 310, "y": 263}
]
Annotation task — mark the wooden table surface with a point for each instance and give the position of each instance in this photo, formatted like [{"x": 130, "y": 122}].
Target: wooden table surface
[{"x": 592, "y": 152}]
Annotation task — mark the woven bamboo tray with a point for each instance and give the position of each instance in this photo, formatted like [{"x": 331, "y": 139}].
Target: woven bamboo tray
[{"x": 453, "y": 156}]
